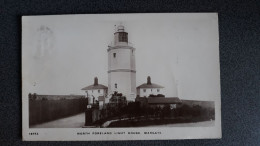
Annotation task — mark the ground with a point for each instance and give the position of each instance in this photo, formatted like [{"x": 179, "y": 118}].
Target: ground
[
  {"x": 197, "y": 124},
  {"x": 77, "y": 121}
]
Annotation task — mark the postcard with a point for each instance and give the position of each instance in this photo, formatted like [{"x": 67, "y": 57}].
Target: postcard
[{"x": 103, "y": 77}]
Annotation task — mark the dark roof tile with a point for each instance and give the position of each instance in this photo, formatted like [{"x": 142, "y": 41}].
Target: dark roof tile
[
  {"x": 145, "y": 85},
  {"x": 91, "y": 87}
]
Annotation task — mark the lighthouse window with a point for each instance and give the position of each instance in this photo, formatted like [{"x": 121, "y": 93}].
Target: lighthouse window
[
  {"x": 115, "y": 85},
  {"x": 122, "y": 37},
  {"x": 114, "y": 54}
]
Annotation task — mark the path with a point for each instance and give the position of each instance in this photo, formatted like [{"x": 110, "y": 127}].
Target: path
[{"x": 76, "y": 121}]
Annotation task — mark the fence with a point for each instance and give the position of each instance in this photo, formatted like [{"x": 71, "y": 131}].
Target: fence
[{"x": 47, "y": 110}]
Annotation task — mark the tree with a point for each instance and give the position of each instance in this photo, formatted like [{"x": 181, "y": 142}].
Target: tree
[
  {"x": 34, "y": 96},
  {"x": 166, "y": 111},
  {"x": 157, "y": 111},
  {"x": 184, "y": 110},
  {"x": 196, "y": 110},
  {"x": 160, "y": 95},
  {"x": 44, "y": 98}
]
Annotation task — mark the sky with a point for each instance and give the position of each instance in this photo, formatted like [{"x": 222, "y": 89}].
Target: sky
[{"x": 61, "y": 54}]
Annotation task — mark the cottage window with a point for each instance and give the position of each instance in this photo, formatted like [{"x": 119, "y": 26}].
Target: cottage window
[
  {"x": 98, "y": 91},
  {"x": 144, "y": 90},
  {"x": 151, "y": 90},
  {"x": 158, "y": 90},
  {"x": 114, "y": 54}
]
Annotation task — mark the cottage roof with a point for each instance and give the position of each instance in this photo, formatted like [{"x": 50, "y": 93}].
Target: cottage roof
[
  {"x": 95, "y": 85},
  {"x": 91, "y": 87},
  {"x": 149, "y": 84},
  {"x": 163, "y": 100},
  {"x": 145, "y": 85}
]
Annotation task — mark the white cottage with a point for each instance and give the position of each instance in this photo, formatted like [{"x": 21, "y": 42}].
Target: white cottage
[
  {"x": 149, "y": 88},
  {"x": 95, "y": 91}
]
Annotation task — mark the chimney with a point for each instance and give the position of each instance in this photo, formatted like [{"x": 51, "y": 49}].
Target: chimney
[
  {"x": 95, "y": 81},
  {"x": 149, "y": 80}
]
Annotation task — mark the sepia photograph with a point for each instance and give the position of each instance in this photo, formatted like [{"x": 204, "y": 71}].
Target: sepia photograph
[{"x": 121, "y": 77}]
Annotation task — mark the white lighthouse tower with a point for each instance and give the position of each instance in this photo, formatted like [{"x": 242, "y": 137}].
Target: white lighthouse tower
[{"x": 121, "y": 65}]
